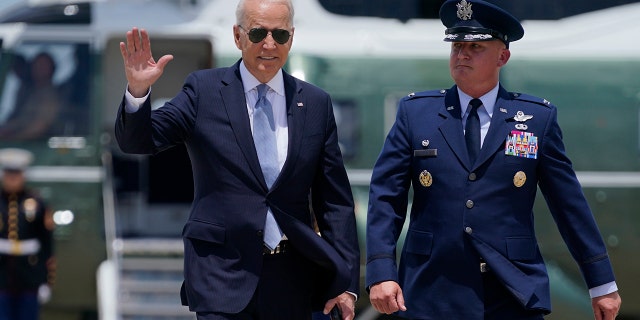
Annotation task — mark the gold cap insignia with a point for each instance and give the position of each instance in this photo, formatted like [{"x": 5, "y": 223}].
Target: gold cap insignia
[
  {"x": 426, "y": 180},
  {"x": 464, "y": 10}
]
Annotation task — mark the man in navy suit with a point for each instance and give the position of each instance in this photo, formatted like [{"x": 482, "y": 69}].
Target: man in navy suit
[
  {"x": 475, "y": 155},
  {"x": 230, "y": 271}
]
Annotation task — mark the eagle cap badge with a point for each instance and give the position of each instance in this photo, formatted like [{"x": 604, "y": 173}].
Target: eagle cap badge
[{"x": 464, "y": 10}]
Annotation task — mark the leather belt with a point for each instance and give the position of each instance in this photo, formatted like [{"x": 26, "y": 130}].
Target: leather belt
[{"x": 282, "y": 247}]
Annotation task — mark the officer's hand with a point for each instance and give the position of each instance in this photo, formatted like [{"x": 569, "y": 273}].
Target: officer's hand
[
  {"x": 346, "y": 302},
  {"x": 140, "y": 68},
  {"x": 387, "y": 297},
  {"x": 606, "y": 307}
]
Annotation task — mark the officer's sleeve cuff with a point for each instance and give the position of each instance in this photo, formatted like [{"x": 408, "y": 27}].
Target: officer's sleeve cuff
[
  {"x": 603, "y": 289},
  {"x": 131, "y": 103}
]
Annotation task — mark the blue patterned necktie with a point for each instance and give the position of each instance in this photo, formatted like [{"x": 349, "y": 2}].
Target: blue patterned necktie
[
  {"x": 472, "y": 130},
  {"x": 264, "y": 138}
]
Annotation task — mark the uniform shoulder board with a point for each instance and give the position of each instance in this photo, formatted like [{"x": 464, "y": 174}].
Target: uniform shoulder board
[
  {"x": 530, "y": 98},
  {"x": 425, "y": 94}
]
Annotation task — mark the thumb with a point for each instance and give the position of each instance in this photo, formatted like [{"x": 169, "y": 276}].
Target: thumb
[
  {"x": 164, "y": 60},
  {"x": 329, "y": 305},
  {"x": 400, "y": 300}
]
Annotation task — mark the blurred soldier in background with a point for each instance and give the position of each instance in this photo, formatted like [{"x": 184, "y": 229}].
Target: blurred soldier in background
[{"x": 27, "y": 265}]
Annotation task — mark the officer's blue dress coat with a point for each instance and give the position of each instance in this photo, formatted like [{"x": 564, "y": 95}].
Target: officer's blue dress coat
[
  {"x": 473, "y": 210},
  {"x": 223, "y": 235}
]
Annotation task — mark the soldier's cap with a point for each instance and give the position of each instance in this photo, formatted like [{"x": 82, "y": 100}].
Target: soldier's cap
[
  {"x": 14, "y": 159},
  {"x": 476, "y": 20}
]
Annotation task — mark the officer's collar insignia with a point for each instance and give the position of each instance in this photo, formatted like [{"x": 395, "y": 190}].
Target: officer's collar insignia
[
  {"x": 464, "y": 10},
  {"x": 503, "y": 110},
  {"x": 521, "y": 117}
]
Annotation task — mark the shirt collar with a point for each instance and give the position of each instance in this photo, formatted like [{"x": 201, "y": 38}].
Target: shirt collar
[
  {"x": 488, "y": 100},
  {"x": 250, "y": 82}
]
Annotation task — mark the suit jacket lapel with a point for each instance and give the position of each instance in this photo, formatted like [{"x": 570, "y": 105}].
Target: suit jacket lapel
[
  {"x": 235, "y": 104},
  {"x": 296, "y": 116},
  {"x": 499, "y": 129},
  {"x": 451, "y": 127}
]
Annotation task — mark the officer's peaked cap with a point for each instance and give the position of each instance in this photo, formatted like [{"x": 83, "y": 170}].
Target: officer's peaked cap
[
  {"x": 15, "y": 159},
  {"x": 476, "y": 20}
]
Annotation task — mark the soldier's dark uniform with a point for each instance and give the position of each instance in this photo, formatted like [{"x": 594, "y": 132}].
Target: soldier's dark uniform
[{"x": 26, "y": 249}]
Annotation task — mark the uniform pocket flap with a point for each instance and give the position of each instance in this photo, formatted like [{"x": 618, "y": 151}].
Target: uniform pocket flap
[
  {"x": 418, "y": 242},
  {"x": 204, "y": 231}
]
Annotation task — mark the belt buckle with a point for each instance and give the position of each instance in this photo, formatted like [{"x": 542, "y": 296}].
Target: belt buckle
[{"x": 280, "y": 248}]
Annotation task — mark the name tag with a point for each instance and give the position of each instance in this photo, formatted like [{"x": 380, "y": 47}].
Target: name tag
[{"x": 425, "y": 153}]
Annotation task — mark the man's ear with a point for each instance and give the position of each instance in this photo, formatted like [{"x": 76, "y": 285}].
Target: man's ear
[
  {"x": 236, "y": 35},
  {"x": 505, "y": 54}
]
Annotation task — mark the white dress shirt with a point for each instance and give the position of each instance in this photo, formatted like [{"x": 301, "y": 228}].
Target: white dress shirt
[{"x": 275, "y": 95}]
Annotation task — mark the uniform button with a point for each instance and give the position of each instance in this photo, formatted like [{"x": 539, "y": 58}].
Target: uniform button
[
  {"x": 472, "y": 176},
  {"x": 469, "y": 204},
  {"x": 468, "y": 230}
]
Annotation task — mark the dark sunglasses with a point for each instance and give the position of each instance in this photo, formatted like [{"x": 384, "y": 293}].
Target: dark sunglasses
[{"x": 256, "y": 35}]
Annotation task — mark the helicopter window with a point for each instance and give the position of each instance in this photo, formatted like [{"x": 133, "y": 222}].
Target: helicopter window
[
  {"x": 45, "y": 91},
  {"x": 391, "y": 101},
  {"x": 348, "y": 123}
]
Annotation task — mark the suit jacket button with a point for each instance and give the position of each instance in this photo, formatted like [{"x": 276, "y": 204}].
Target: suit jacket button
[
  {"x": 472, "y": 176},
  {"x": 260, "y": 233},
  {"x": 469, "y": 204}
]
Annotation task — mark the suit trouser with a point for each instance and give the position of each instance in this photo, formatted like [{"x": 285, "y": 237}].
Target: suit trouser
[
  {"x": 283, "y": 292},
  {"x": 500, "y": 304},
  {"x": 19, "y": 306}
]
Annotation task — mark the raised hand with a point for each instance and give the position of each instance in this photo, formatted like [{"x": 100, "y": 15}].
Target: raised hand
[{"x": 140, "y": 68}]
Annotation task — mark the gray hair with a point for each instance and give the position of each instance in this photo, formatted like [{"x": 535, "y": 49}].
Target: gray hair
[{"x": 241, "y": 10}]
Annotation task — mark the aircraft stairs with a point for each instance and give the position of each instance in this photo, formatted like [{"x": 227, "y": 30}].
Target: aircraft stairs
[{"x": 146, "y": 276}]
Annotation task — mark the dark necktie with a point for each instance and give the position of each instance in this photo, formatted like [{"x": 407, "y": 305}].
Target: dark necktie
[
  {"x": 264, "y": 138},
  {"x": 472, "y": 130}
]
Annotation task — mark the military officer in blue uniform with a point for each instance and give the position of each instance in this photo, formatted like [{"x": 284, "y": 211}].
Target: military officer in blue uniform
[
  {"x": 27, "y": 266},
  {"x": 475, "y": 155}
]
